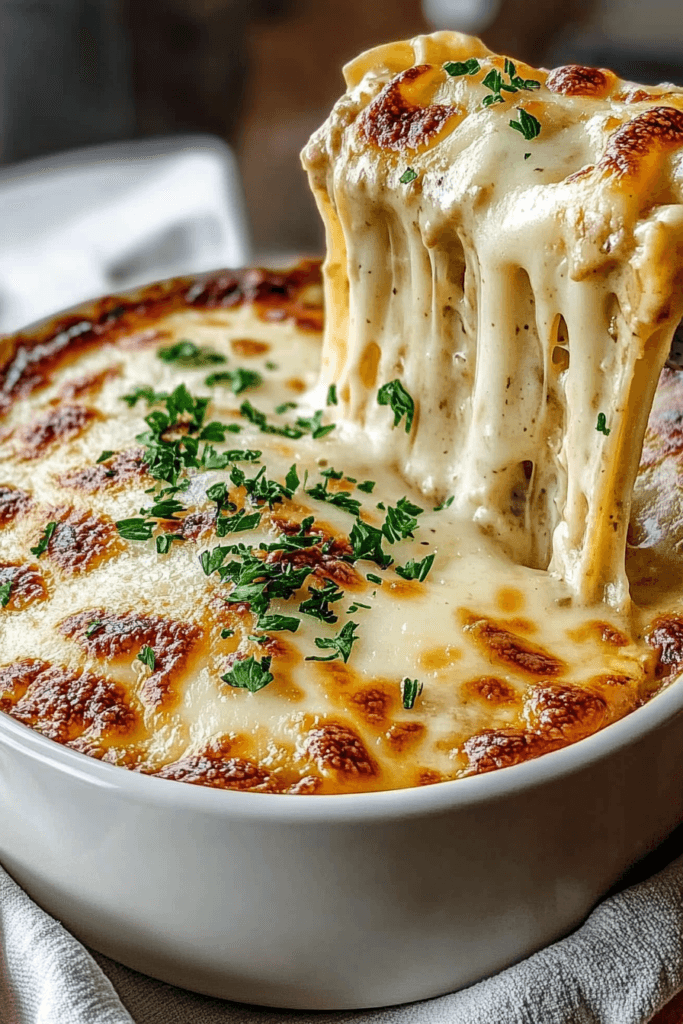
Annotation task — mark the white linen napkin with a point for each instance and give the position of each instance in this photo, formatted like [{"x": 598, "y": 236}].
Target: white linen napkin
[{"x": 620, "y": 967}]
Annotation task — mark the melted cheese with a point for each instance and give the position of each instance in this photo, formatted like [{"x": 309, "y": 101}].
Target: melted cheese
[
  {"x": 518, "y": 288},
  {"x": 516, "y": 300}
]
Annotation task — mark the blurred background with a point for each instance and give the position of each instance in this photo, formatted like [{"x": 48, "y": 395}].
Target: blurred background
[{"x": 140, "y": 138}]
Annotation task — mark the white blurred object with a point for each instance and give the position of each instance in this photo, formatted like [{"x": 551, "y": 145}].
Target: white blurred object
[
  {"x": 462, "y": 15},
  {"x": 84, "y": 223}
]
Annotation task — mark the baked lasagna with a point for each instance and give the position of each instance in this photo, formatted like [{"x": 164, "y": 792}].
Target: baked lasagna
[{"x": 250, "y": 546}]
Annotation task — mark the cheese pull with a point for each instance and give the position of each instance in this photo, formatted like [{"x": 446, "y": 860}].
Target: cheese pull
[{"x": 506, "y": 243}]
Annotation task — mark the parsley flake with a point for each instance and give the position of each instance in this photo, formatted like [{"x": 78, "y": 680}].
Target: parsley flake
[
  {"x": 367, "y": 486},
  {"x": 42, "y": 544},
  {"x": 165, "y": 541},
  {"x": 372, "y": 578},
  {"x": 408, "y": 175},
  {"x": 5, "y": 593},
  {"x": 150, "y": 396},
  {"x": 356, "y": 607},
  {"x": 279, "y": 622},
  {"x": 104, "y": 456},
  {"x": 528, "y": 125},
  {"x": 367, "y": 541},
  {"x": 93, "y": 627},
  {"x": 332, "y": 395},
  {"x": 601, "y": 426},
  {"x": 238, "y": 380},
  {"x": 446, "y": 503},
  {"x": 147, "y": 657},
  {"x": 340, "y": 644},
  {"x": 225, "y": 633},
  {"x": 454, "y": 68},
  {"x": 249, "y": 674},
  {"x": 319, "y": 600},
  {"x": 410, "y": 689},
  {"x": 397, "y": 398},
  {"x": 400, "y": 520},
  {"x": 284, "y": 407},
  {"x": 413, "y": 570},
  {"x": 186, "y": 353},
  {"x": 135, "y": 529}
]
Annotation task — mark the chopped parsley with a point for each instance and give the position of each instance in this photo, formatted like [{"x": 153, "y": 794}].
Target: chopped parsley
[
  {"x": 225, "y": 633},
  {"x": 279, "y": 622},
  {"x": 260, "y": 420},
  {"x": 454, "y": 68},
  {"x": 410, "y": 690},
  {"x": 149, "y": 395},
  {"x": 371, "y": 578},
  {"x": 400, "y": 520},
  {"x": 446, "y": 503},
  {"x": 319, "y": 600},
  {"x": 332, "y": 395},
  {"x": 104, "y": 456},
  {"x": 147, "y": 657},
  {"x": 367, "y": 543},
  {"x": 356, "y": 607},
  {"x": 93, "y": 627},
  {"x": 397, "y": 398},
  {"x": 292, "y": 480},
  {"x": 528, "y": 125},
  {"x": 42, "y": 544},
  {"x": 249, "y": 674},
  {"x": 313, "y": 424},
  {"x": 284, "y": 407},
  {"x": 367, "y": 486},
  {"x": 340, "y": 644},
  {"x": 135, "y": 529},
  {"x": 165, "y": 541},
  {"x": 413, "y": 570},
  {"x": 601, "y": 426},
  {"x": 5, "y": 593},
  {"x": 270, "y": 365},
  {"x": 495, "y": 82},
  {"x": 238, "y": 380},
  {"x": 186, "y": 353},
  {"x": 341, "y": 499},
  {"x": 408, "y": 175}
]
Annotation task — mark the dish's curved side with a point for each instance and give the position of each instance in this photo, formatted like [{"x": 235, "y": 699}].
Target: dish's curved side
[{"x": 336, "y": 901}]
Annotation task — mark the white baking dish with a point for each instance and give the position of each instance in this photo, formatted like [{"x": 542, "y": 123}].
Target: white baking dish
[
  {"x": 331, "y": 902},
  {"x": 336, "y": 901}
]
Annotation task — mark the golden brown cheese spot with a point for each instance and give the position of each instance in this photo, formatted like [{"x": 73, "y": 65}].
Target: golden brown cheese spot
[
  {"x": 491, "y": 689},
  {"x": 82, "y": 541},
  {"x": 339, "y": 748},
  {"x": 306, "y": 786},
  {"x": 27, "y": 585},
  {"x": 604, "y": 632},
  {"x": 123, "y": 636},
  {"x": 213, "y": 767},
  {"x": 501, "y": 748},
  {"x": 502, "y": 645},
  {"x": 59, "y": 425},
  {"x": 392, "y": 121},
  {"x": 566, "y": 713},
  {"x": 13, "y": 502},
  {"x": 249, "y": 347},
  {"x": 665, "y": 635},
  {"x": 373, "y": 704},
  {"x": 16, "y": 678},
  {"x": 88, "y": 385},
  {"x": 510, "y": 599},
  {"x": 429, "y": 777},
  {"x": 120, "y": 468},
  {"x": 296, "y": 384},
  {"x": 654, "y": 130},
  {"x": 577, "y": 80},
  {"x": 63, "y": 703},
  {"x": 403, "y": 735},
  {"x": 406, "y": 589},
  {"x": 197, "y": 524},
  {"x": 436, "y": 658}
]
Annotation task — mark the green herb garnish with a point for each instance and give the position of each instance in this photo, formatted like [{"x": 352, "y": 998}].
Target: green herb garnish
[
  {"x": 279, "y": 622},
  {"x": 93, "y": 627},
  {"x": 332, "y": 395},
  {"x": 446, "y": 503},
  {"x": 367, "y": 543},
  {"x": 413, "y": 570},
  {"x": 400, "y": 521},
  {"x": 165, "y": 541},
  {"x": 368, "y": 486},
  {"x": 225, "y": 633},
  {"x": 238, "y": 380},
  {"x": 186, "y": 353},
  {"x": 372, "y": 578},
  {"x": 319, "y": 599},
  {"x": 602, "y": 427},
  {"x": 249, "y": 674},
  {"x": 6, "y": 593},
  {"x": 147, "y": 657},
  {"x": 42, "y": 544},
  {"x": 135, "y": 529},
  {"x": 408, "y": 175},
  {"x": 454, "y": 68},
  {"x": 341, "y": 644},
  {"x": 104, "y": 456},
  {"x": 148, "y": 394},
  {"x": 410, "y": 689},
  {"x": 397, "y": 398},
  {"x": 528, "y": 125}
]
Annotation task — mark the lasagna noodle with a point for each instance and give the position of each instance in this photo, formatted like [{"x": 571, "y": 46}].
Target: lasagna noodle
[{"x": 524, "y": 291}]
